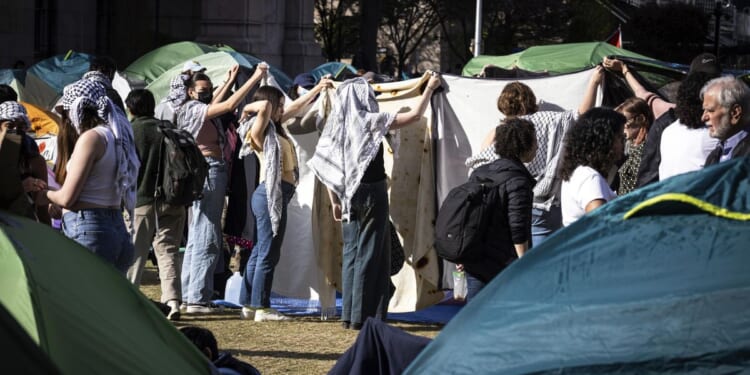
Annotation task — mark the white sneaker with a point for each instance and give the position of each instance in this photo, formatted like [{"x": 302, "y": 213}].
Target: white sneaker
[
  {"x": 203, "y": 309},
  {"x": 247, "y": 313},
  {"x": 174, "y": 310},
  {"x": 269, "y": 314}
]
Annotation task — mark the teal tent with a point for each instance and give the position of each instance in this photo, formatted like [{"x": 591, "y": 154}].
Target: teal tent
[
  {"x": 14, "y": 78},
  {"x": 83, "y": 315},
  {"x": 338, "y": 70},
  {"x": 655, "y": 281},
  {"x": 46, "y": 79},
  {"x": 553, "y": 59}
]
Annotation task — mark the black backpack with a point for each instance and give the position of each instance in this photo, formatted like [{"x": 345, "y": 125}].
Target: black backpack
[
  {"x": 182, "y": 170},
  {"x": 465, "y": 216}
]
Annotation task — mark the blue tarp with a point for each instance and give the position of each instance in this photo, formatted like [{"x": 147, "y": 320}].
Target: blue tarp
[
  {"x": 334, "y": 68},
  {"x": 61, "y": 70},
  {"x": 656, "y": 281}
]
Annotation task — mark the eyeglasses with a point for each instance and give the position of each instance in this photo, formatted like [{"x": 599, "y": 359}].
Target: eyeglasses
[{"x": 630, "y": 123}]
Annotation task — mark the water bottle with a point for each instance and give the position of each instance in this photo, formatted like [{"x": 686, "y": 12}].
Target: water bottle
[{"x": 232, "y": 292}]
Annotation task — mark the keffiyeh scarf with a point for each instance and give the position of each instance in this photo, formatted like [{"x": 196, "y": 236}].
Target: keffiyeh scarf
[
  {"x": 15, "y": 111},
  {"x": 177, "y": 91},
  {"x": 85, "y": 94},
  {"x": 350, "y": 140},
  {"x": 272, "y": 155}
]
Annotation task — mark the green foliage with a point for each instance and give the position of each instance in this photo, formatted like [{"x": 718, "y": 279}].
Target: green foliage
[{"x": 337, "y": 27}]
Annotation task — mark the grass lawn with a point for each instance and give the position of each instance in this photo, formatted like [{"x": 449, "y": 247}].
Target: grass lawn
[{"x": 305, "y": 345}]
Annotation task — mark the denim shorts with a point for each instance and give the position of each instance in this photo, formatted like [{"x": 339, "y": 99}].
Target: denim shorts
[{"x": 103, "y": 232}]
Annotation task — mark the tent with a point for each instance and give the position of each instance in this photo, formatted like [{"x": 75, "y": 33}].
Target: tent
[
  {"x": 20, "y": 355},
  {"x": 338, "y": 70},
  {"x": 14, "y": 78},
  {"x": 46, "y": 79},
  {"x": 84, "y": 315},
  {"x": 554, "y": 59},
  {"x": 217, "y": 65},
  {"x": 43, "y": 121},
  {"x": 655, "y": 281},
  {"x": 154, "y": 63}
]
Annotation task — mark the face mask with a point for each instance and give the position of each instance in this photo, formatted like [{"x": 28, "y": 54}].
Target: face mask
[{"x": 205, "y": 97}]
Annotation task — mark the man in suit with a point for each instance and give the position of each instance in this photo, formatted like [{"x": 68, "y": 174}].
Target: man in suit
[{"x": 726, "y": 112}]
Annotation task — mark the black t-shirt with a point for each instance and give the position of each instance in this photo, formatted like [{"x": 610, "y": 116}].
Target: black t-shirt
[{"x": 376, "y": 170}]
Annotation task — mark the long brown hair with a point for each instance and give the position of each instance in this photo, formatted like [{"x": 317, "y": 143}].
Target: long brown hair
[
  {"x": 68, "y": 136},
  {"x": 274, "y": 96}
]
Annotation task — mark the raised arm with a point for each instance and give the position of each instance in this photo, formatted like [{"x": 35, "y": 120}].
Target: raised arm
[
  {"x": 296, "y": 106},
  {"x": 262, "y": 109},
  {"x": 657, "y": 104},
  {"x": 215, "y": 110},
  {"x": 589, "y": 97},
  {"x": 404, "y": 119},
  {"x": 222, "y": 92}
]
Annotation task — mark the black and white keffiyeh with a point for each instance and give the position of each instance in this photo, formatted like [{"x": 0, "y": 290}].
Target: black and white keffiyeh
[
  {"x": 98, "y": 77},
  {"x": 84, "y": 94},
  {"x": 177, "y": 91},
  {"x": 14, "y": 111},
  {"x": 350, "y": 140}
]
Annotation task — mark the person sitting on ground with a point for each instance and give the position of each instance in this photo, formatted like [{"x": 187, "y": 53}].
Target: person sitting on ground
[
  {"x": 639, "y": 118},
  {"x": 205, "y": 341},
  {"x": 663, "y": 111},
  {"x": 726, "y": 111},
  {"x": 515, "y": 144},
  {"x": 592, "y": 146}
]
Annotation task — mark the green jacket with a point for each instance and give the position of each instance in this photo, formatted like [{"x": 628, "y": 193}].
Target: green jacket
[{"x": 148, "y": 140}]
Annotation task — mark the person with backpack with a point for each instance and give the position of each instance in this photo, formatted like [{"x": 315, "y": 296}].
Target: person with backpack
[
  {"x": 348, "y": 160},
  {"x": 517, "y": 99},
  {"x": 155, "y": 223},
  {"x": 198, "y": 113},
  {"x": 505, "y": 232}
]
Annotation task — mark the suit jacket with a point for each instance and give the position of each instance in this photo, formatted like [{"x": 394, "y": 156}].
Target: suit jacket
[{"x": 742, "y": 149}]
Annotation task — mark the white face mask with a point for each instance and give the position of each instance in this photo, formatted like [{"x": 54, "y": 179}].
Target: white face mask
[{"x": 302, "y": 91}]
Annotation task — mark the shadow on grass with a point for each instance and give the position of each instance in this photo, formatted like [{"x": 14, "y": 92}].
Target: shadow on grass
[
  {"x": 285, "y": 354},
  {"x": 419, "y": 328}
]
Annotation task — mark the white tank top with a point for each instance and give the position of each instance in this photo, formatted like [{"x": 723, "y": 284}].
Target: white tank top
[{"x": 99, "y": 188}]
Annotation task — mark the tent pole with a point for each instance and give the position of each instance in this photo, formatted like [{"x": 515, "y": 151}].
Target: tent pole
[{"x": 478, "y": 30}]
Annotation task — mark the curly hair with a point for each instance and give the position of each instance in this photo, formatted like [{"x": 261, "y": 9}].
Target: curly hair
[
  {"x": 689, "y": 108},
  {"x": 516, "y": 99},
  {"x": 514, "y": 137},
  {"x": 590, "y": 141}
]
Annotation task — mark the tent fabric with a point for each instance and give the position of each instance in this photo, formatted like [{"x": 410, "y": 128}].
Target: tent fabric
[
  {"x": 46, "y": 79},
  {"x": 73, "y": 304},
  {"x": 430, "y": 161},
  {"x": 664, "y": 290},
  {"x": 43, "y": 121},
  {"x": 154, "y": 63},
  {"x": 554, "y": 59},
  {"x": 334, "y": 68},
  {"x": 20, "y": 355}
]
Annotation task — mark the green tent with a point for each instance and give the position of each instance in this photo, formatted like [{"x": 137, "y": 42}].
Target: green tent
[
  {"x": 84, "y": 315},
  {"x": 21, "y": 355},
  {"x": 554, "y": 59},
  {"x": 150, "y": 66}
]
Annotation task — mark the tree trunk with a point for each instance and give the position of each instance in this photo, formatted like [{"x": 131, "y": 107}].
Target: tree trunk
[{"x": 369, "y": 34}]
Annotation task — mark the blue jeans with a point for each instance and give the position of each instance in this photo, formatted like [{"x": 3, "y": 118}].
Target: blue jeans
[
  {"x": 544, "y": 223},
  {"x": 103, "y": 232},
  {"x": 473, "y": 286},
  {"x": 204, "y": 237},
  {"x": 258, "y": 278},
  {"x": 366, "y": 259}
]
